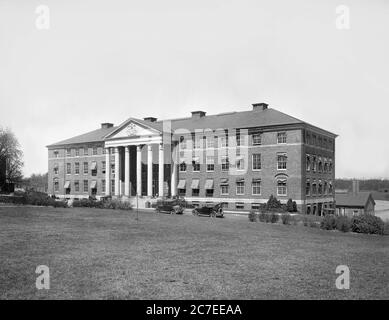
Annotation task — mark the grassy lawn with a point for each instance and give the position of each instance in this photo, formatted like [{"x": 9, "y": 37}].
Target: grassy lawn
[{"x": 105, "y": 254}]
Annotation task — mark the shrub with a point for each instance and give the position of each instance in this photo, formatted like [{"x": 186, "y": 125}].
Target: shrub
[
  {"x": 367, "y": 224},
  {"x": 273, "y": 204},
  {"x": 343, "y": 223},
  {"x": 286, "y": 218},
  {"x": 328, "y": 222},
  {"x": 268, "y": 217},
  {"x": 289, "y": 205},
  {"x": 386, "y": 228},
  {"x": 252, "y": 216},
  {"x": 274, "y": 217},
  {"x": 262, "y": 216}
]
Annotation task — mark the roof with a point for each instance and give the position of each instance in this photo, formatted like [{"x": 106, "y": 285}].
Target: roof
[
  {"x": 243, "y": 119},
  {"x": 353, "y": 200},
  {"x": 92, "y": 136},
  {"x": 229, "y": 120}
]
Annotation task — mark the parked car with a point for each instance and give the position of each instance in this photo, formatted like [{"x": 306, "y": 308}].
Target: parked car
[
  {"x": 170, "y": 206},
  {"x": 209, "y": 210}
]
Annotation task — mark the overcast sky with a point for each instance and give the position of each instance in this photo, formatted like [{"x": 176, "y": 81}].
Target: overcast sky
[{"x": 106, "y": 61}]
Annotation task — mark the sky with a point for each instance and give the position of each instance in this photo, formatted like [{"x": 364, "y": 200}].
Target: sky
[{"x": 106, "y": 61}]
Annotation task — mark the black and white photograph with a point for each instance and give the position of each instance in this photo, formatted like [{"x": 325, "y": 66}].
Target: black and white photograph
[{"x": 194, "y": 155}]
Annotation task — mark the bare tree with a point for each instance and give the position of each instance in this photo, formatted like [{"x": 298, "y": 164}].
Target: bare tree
[{"x": 11, "y": 154}]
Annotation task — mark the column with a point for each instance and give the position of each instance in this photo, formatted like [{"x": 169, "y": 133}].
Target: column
[
  {"x": 127, "y": 171},
  {"x": 138, "y": 170},
  {"x": 107, "y": 171},
  {"x": 174, "y": 172},
  {"x": 160, "y": 171},
  {"x": 117, "y": 172},
  {"x": 149, "y": 171}
]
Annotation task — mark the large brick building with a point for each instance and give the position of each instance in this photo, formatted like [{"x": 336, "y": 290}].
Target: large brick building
[{"x": 238, "y": 158}]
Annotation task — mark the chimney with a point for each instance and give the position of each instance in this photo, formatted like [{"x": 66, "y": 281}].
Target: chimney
[
  {"x": 150, "y": 119},
  {"x": 259, "y": 106},
  {"x": 198, "y": 114},
  {"x": 106, "y": 125},
  {"x": 355, "y": 186}
]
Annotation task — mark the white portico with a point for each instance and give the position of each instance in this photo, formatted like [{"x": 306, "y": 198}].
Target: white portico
[{"x": 133, "y": 145}]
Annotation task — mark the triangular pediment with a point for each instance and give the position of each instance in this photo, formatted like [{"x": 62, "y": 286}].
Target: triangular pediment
[{"x": 132, "y": 128}]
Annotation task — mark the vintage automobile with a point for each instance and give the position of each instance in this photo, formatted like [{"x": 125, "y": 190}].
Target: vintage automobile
[
  {"x": 209, "y": 210},
  {"x": 172, "y": 206}
]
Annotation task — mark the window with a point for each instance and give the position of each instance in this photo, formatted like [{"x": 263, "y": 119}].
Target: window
[
  {"x": 325, "y": 166},
  {"x": 68, "y": 168},
  {"x": 102, "y": 185},
  {"x": 77, "y": 186},
  {"x": 195, "y": 192},
  {"x": 103, "y": 167},
  {"x": 182, "y": 192},
  {"x": 85, "y": 151},
  {"x": 77, "y": 168},
  {"x": 113, "y": 170},
  {"x": 94, "y": 151},
  {"x": 104, "y": 151},
  {"x": 308, "y": 188},
  {"x": 239, "y": 163},
  {"x": 255, "y": 206},
  {"x": 94, "y": 168},
  {"x": 240, "y": 187},
  {"x": 86, "y": 186},
  {"x": 314, "y": 189},
  {"x": 210, "y": 163},
  {"x": 330, "y": 166},
  {"x": 223, "y": 141},
  {"x": 225, "y": 163},
  {"x": 56, "y": 185},
  {"x": 320, "y": 189},
  {"x": 239, "y": 205},
  {"x": 183, "y": 166},
  {"x": 210, "y": 142},
  {"x": 196, "y": 164},
  {"x": 209, "y": 192},
  {"x": 85, "y": 167},
  {"x": 77, "y": 152},
  {"x": 281, "y": 137},
  {"x": 68, "y": 152},
  {"x": 113, "y": 186},
  {"x": 330, "y": 188},
  {"x": 281, "y": 161},
  {"x": 281, "y": 187},
  {"x": 256, "y": 139},
  {"x": 314, "y": 163},
  {"x": 224, "y": 189},
  {"x": 256, "y": 164},
  {"x": 56, "y": 154},
  {"x": 256, "y": 187},
  {"x": 320, "y": 169},
  {"x": 325, "y": 188},
  {"x": 56, "y": 168},
  {"x": 308, "y": 162}
]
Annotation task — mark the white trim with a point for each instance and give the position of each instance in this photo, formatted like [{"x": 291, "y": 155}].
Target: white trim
[{"x": 245, "y": 200}]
